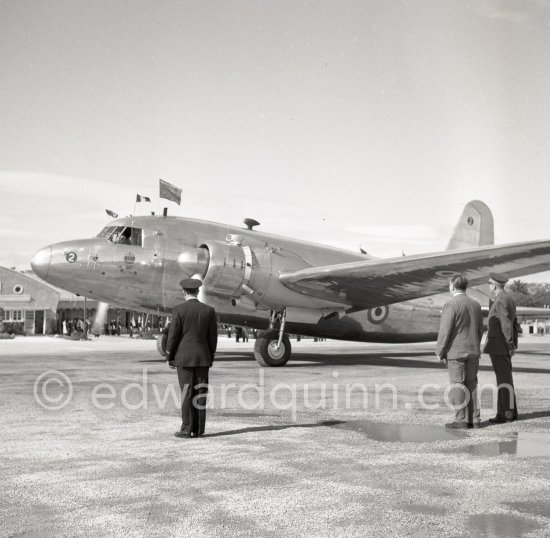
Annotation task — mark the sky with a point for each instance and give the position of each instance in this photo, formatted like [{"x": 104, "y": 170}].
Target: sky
[{"x": 342, "y": 122}]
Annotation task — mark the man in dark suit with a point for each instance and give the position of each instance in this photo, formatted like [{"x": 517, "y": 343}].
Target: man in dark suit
[
  {"x": 501, "y": 347},
  {"x": 460, "y": 333},
  {"x": 191, "y": 345}
]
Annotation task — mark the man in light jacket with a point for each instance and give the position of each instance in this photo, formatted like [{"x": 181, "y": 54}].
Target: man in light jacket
[{"x": 458, "y": 342}]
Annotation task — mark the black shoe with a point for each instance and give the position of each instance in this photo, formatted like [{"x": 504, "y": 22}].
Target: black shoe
[
  {"x": 456, "y": 426},
  {"x": 474, "y": 425},
  {"x": 182, "y": 435},
  {"x": 499, "y": 419}
]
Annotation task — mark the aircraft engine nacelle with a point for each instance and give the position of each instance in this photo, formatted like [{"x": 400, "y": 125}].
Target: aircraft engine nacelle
[
  {"x": 193, "y": 262},
  {"x": 229, "y": 267}
]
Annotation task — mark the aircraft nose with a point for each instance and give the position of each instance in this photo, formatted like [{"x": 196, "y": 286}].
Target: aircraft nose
[{"x": 41, "y": 261}]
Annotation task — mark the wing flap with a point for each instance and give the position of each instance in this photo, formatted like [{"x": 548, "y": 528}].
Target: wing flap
[{"x": 371, "y": 283}]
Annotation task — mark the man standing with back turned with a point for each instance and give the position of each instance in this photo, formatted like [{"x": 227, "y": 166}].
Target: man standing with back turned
[
  {"x": 501, "y": 347},
  {"x": 191, "y": 345},
  {"x": 458, "y": 343}
]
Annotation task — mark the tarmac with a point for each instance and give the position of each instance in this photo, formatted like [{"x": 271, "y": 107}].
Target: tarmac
[{"x": 348, "y": 439}]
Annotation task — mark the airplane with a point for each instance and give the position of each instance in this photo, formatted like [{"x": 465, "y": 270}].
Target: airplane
[{"x": 282, "y": 285}]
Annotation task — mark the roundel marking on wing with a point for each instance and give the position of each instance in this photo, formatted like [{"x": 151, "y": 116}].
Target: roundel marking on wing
[{"x": 378, "y": 315}]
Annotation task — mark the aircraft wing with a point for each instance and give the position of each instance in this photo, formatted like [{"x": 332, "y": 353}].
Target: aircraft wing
[{"x": 371, "y": 283}]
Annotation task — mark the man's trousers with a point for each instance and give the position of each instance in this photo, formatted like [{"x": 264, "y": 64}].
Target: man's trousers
[
  {"x": 463, "y": 396},
  {"x": 194, "y": 390},
  {"x": 506, "y": 400}
]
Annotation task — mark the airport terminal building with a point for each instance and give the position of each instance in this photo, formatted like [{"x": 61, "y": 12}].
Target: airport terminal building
[
  {"x": 27, "y": 302},
  {"x": 30, "y": 306}
]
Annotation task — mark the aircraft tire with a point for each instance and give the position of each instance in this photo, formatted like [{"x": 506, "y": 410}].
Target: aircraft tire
[
  {"x": 265, "y": 352},
  {"x": 161, "y": 344}
]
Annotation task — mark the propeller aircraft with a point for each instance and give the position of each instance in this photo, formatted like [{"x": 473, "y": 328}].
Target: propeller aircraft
[{"x": 283, "y": 285}]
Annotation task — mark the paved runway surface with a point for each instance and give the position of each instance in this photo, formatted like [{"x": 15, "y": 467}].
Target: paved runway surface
[{"x": 317, "y": 448}]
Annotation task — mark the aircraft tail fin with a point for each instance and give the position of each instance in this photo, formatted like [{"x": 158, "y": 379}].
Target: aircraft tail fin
[{"x": 475, "y": 227}]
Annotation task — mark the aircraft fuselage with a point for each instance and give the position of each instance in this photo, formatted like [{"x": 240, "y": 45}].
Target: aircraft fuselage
[{"x": 137, "y": 263}]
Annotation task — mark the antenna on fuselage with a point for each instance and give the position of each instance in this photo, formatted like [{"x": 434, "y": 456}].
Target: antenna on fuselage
[
  {"x": 250, "y": 223},
  {"x": 165, "y": 212}
]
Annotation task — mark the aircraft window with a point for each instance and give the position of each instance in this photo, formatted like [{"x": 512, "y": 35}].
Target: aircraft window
[
  {"x": 123, "y": 235},
  {"x": 135, "y": 237},
  {"x": 106, "y": 232},
  {"x": 115, "y": 235}
]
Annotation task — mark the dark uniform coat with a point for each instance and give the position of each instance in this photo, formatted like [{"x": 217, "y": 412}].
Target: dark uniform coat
[
  {"x": 192, "y": 341},
  {"x": 461, "y": 329},
  {"x": 500, "y": 345},
  {"x": 500, "y": 335},
  {"x": 193, "y": 335}
]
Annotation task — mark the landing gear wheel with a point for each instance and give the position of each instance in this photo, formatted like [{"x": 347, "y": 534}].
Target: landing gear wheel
[
  {"x": 161, "y": 344},
  {"x": 266, "y": 352}
]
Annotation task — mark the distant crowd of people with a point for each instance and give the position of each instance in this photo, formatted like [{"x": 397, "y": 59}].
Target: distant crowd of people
[
  {"x": 76, "y": 326},
  {"x": 113, "y": 328},
  {"x": 81, "y": 327}
]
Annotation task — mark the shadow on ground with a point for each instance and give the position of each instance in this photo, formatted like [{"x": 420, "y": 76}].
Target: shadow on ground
[{"x": 275, "y": 428}]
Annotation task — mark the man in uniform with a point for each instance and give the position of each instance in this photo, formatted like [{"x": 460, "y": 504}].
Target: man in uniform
[
  {"x": 501, "y": 347},
  {"x": 460, "y": 333},
  {"x": 191, "y": 345}
]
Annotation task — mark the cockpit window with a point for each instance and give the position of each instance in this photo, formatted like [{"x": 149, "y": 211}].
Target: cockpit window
[
  {"x": 124, "y": 235},
  {"x": 106, "y": 232}
]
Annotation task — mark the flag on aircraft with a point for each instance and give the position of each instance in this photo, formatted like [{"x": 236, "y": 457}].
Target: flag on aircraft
[
  {"x": 140, "y": 198},
  {"x": 170, "y": 192},
  {"x": 362, "y": 250},
  {"x": 111, "y": 213}
]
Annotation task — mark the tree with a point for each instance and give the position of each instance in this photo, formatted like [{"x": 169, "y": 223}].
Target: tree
[
  {"x": 517, "y": 286},
  {"x": 521, "y": 293}
]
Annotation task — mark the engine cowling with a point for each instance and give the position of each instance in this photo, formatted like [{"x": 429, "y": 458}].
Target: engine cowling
[
  {"x": 193, "y": 262},
  {"x": 229, "y": 268}
]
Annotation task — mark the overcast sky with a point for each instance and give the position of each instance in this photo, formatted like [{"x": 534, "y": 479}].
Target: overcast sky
[{"x": 346, "y": 122}]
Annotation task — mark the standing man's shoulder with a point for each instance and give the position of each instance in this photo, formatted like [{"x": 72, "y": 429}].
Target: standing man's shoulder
[
  {"x": 452, "y": 302},
  {"x": 199, "y": 306},
  {"x": 508, "y": 297},
  {"x": 503, "y": 300},
  {"x": 178, "y": 308},
  {"x": 203, "y": 306},
  {"x": 458, "y": 301}
]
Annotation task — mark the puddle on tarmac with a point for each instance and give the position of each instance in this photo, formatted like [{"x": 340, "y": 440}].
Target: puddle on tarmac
[
  {"x": 522, "y": 445},
  {"x": 534, "y": 508},
  {"x": 404, "y": 433},
  {"x": 500, "y": 525}
]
